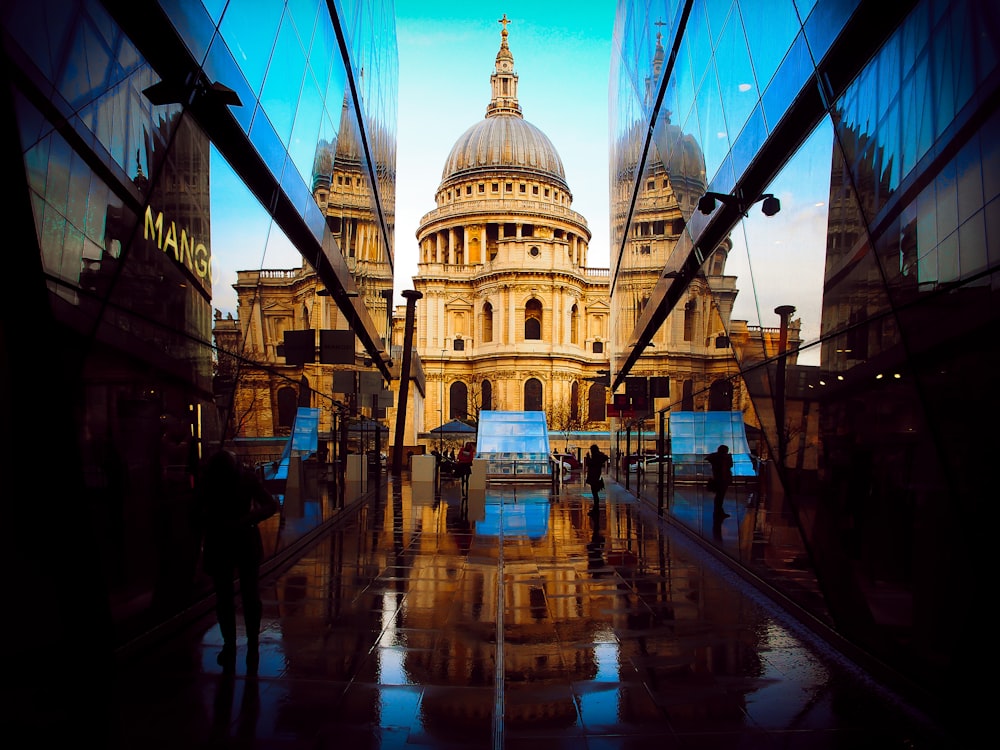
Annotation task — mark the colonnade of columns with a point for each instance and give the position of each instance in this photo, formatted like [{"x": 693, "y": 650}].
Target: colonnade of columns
[{"x": 445, "y": 245}]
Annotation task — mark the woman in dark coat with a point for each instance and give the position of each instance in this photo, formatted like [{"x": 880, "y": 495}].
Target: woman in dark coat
[
  {"x": 595, "y": 461},
  {"x": 463, "y": 465},
  {"x": 722, "y": 476}
]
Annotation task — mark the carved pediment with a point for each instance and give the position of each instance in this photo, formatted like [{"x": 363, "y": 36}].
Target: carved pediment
[{"x": 276, "y": 307}]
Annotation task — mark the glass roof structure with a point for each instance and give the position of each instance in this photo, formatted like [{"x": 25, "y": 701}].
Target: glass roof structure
[
  {"x": 514, "y": 443},
  {"x": 513, "y": 432}
]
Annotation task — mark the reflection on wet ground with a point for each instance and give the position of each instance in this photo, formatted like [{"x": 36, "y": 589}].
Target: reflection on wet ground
[{"x": 511, "y": 618}]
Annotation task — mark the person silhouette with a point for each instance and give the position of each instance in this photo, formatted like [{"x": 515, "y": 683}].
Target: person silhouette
[
  {"x": 232, "y": 502},
  {"x": 722, "y": 477},
  {"x": 595, "y": 461},
  {"x": 463, "y": 465}
]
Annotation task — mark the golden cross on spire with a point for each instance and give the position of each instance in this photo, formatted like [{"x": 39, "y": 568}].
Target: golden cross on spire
[
  {"x": 504, "y": 21},
  {"x": 659, "y": 34}
]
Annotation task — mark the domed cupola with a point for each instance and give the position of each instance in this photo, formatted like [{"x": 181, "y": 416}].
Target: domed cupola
[{"x": 504, "y": 142}]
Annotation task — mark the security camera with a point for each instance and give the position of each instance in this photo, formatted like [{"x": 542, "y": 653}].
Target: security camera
[
  {"x": 770, "y": 206},
  {"x": 706, "y": 204}
]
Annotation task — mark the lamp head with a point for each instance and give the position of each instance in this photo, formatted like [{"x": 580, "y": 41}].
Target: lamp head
[
  {"x": 706, "y": 204},
  {"x": 770, "y": 206}
]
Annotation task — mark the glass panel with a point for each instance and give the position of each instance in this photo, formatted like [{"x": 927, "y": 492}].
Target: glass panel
[
  {"x": 803, "y": 188},
  {"x": 736, "y": 80},
  {"x": 284, "y": 81},
  {"x": 770, "y": 26},
  {"x": 795, "y": 70},
  {"x": 194, "y": 25},
  {"x": 825, "y": 22},
  {"x": 712, "y": 132},
  {"x": 249, "y": 29}
]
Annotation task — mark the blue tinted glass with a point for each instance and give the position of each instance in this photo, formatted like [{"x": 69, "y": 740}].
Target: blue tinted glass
[
  {"x": 889, "y": 137},
  {"x": 221, "y": 67},
  {"x": 792, "y": 75},
  {"x": 304, "y": 14},
  {"x": 248, "y": 28},
  {"x": 296, "y": 189},
  {"x": 825, "y": 23},
  {"x": 749, "y": 141},
  {"x": 284, "y": 80},
  {"x": 308, "y": 120},
  {"x": 268, "y": 145},
  {"x": 316, "y": 221},
  {"x": 771, "y": 27},
  {"x": 736, "y": 80},
  {"x": 712, "y": 121},
  {"x": 214, "y": 8},
  {"x": 696, "y": 44},
  {"x": 323, "y": 54},
  {"x": 718, "y": 14},
  {"x": 194, "y": 25}
]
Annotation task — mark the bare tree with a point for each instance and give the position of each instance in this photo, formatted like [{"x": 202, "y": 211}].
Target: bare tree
[
  {"x": 476, "y": 400},
  {"x": 562, "y": 418}
]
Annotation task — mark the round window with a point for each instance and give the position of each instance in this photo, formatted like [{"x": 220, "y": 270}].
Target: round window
[{"x": 534, "y": 251}]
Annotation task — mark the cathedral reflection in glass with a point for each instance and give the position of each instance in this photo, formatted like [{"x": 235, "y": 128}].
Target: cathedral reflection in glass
[
  {"x": 169, "y": 152},
  {"x": 858, "y": 308}
]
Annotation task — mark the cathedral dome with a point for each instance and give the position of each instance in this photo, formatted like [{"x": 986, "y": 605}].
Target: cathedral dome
[{"x": 504, "y": 141}]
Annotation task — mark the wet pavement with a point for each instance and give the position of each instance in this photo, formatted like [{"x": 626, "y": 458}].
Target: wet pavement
[{"x": 515, "y": 618}]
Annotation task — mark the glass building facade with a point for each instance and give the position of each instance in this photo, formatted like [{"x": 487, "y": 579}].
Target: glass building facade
[
  {"x": 840, "y": 161},
  {"x": 157, "y": 154}
]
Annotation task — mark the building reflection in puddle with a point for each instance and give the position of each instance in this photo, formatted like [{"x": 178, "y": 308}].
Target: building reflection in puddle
[{"x": 402, "y": 611}]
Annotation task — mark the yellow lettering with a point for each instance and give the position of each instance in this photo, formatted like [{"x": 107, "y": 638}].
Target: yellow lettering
[
  {"x": 170, "y": 241},
  {"x": 202, "y": 263},
  {"x": 154, "y": 226},
  {"x": 187, "y": 251}
]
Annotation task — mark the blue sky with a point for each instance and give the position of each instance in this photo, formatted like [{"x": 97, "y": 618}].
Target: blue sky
[
  {"x": 447, "y": 50},
  {"x": 562, "y": 54}
]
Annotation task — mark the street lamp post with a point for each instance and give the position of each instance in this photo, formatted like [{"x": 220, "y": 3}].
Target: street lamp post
[{"x": 784, "y": 312}]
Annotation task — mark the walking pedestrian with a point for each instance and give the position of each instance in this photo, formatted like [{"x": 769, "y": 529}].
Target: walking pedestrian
[
  {"x": 722, "y": 477},
  {"x": 463, "y": 465},
  {"x": 232, "y": 502},
  {"x": 595, "y": 462}
]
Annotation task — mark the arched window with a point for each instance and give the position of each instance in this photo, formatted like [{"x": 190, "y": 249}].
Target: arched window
[
  {"x": 305, "y": 392},
  {"x": 597, "y": 403},
  {"x": 689, "y": 320},
  {"x": 486, "y": 396},
  {"x": 533, "y": 320},
  {"x": 574, "y": 400},
  {"x": 720, "y": 396},
  {"x": 487, "y": 323},
  {"x": 287, "y": 405},
  {"x": 574, "y": 325},
  {"x": 459, "y": 398},
  {"x": 687, "y": 397},
  {"x": 533, "y": 395}
]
